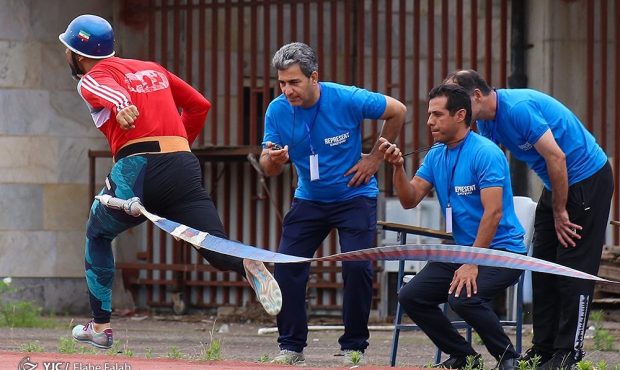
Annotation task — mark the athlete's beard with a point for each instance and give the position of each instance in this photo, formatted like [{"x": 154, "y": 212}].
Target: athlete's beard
[{"x": 76, "y": 71}]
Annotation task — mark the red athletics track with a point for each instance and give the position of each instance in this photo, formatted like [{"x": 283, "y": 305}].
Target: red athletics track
[{"x": 58, "y": 361}]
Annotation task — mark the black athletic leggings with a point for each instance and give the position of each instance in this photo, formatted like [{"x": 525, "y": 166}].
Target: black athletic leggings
[{"x": 168, "y": 185}]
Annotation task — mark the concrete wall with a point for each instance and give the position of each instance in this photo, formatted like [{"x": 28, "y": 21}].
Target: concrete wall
[
  {"x": 45, "y": 134},
  {"x": 556, "y": 59},
  {"x": 556, "y": 62}
]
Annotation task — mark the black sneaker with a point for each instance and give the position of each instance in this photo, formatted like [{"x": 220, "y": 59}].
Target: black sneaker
[
  {"x": 536, "y": 357},
  {"x": 471, "y": 362},
  {"x": 563, "y": 360}
]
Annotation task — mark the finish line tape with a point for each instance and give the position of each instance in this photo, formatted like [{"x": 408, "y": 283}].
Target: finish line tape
[{"x": 413, "y": 252}]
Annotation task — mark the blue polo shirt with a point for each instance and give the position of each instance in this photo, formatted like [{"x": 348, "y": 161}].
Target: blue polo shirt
[
  {"x": 524, "y": 115},
  {"x": 330, "y": 128},
  {"x": 459, "y": 174}
]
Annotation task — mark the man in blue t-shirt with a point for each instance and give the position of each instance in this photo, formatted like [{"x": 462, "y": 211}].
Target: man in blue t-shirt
[
  {"x": 572, "y": 212},
  {"x": 317, "y": 126},
  {"x": 471, "y": 179}
]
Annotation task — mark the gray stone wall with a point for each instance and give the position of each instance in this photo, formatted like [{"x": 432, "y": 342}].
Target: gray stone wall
[{"x": 45, "y": 135}]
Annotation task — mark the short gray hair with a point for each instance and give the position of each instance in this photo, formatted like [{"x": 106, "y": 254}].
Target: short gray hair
[{"x": 296, "y": 53}]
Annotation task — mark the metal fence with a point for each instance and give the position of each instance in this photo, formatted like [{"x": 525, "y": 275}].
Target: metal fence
[
  {"x": 602, "y": 78},
  {"x": 223, "y": 48},
  {"x": 398, "y": 47}
]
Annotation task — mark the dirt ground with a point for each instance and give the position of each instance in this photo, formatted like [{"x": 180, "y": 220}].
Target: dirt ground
[{"x": 159, "y": 336}]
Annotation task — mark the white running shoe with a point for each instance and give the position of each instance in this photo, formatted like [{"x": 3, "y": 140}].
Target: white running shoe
[{"x": 266, "y": 287}]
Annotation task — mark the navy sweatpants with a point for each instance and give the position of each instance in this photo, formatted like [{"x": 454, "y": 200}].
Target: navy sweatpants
[
  {"x": 305, "y": 227},
  {"x": 421, "y": 297},
  {"x": 168, "y": 185}
]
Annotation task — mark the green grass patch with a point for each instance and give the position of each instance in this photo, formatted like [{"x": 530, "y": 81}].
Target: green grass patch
[
  {"x": 174, "y": 353},
  {"x": 213, "y": 351},
  {"x": 585, "y": 365},
  {"x": 356, "y": 357},
  {"x": 67, "y": 345},
  {"x": 34, "y": 346},
  {"x": 530, "y": 365},
  {"x": 603, "y": 339},
  {"x": 20, "y": 314},
  {"x": 471, "y": 365},
  {"x": 128, "y": 352}
]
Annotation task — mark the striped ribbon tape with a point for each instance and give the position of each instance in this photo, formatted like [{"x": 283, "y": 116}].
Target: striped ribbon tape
[{"x": 416, "y": 252}]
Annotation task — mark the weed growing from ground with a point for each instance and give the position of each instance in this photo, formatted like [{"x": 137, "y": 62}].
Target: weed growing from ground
[
  {"x": 356, "y": 357},
  {"x": 19, "y": 314},
  {"x": 66, "y": 345},
  {"x": 214, "y": 350},
  {"x": 603, "y": 339},
  {"x": 470, "y": 365},
  {"x": 529, "y": 365},
  {"x": 585, "y": 365},
  {"x": 32, "y": 347},
  {"x": 175, "y": 353}
]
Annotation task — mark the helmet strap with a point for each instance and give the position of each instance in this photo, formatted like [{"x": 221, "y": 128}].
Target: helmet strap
[{"x": 76, "y": 71}]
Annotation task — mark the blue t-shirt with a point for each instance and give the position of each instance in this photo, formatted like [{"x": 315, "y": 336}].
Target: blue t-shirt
[
  {"x": 330, "y": 128},
  {"x": 458, "y": 174},
  {"x": 524, "y": 115}
]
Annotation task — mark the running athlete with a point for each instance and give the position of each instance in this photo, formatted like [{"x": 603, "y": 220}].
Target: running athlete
[{"x": 136, "y": 106}]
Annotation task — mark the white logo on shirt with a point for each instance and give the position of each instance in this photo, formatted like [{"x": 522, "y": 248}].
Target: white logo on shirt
[
  {"x": 337, "y": 140},
  {"x": 525, "y": 146},
  {"x": 146, "y": 81},
  {"x": 465, "y": 189}
]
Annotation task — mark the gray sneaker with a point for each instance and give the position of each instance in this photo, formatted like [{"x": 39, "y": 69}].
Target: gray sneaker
[
  {"x": 86, "y": 333},
  {"x": 288, "y": 357},
  {"x": 352, "y": 357},
  {"x": 266, "y": 287}
]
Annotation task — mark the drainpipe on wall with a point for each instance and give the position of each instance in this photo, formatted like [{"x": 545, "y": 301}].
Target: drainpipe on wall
[{"x": 518, "y": 79}]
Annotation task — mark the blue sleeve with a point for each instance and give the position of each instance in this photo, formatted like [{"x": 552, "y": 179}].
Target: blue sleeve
[
  {"x": 370, "y": 105},
  {"x": 271, "y": 132},
  {"x": 490, "y": 167},
  {"x": 528, "y": 120},
  {"x": 426, "y": 169}
]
